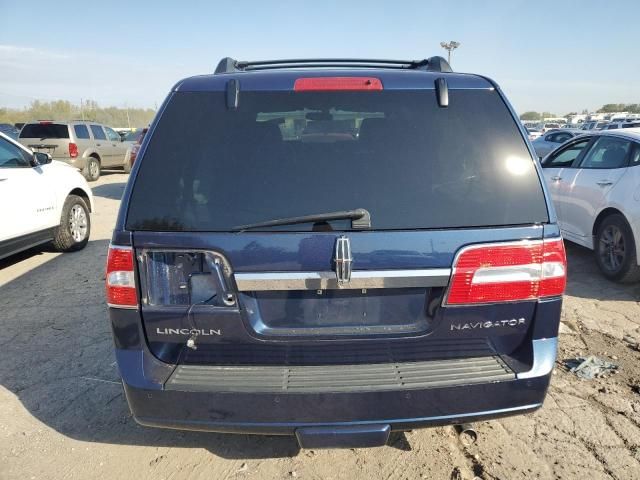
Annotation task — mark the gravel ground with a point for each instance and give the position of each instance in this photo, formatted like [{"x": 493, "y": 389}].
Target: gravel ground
[{"x": 63, "y": 414}]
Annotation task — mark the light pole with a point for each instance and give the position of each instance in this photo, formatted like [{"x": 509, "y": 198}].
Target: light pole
[{"x": 449, "y": 47}]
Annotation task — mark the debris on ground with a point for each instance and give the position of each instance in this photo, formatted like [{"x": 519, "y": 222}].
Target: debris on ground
[
  {"x": 590, "y": 367},
  {"x": 632, "y": 341}
]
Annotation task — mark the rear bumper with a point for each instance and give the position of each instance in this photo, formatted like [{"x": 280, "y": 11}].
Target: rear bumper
[
  {"x": 155, "y": 402},
  {"x": 272, "y": 414}
]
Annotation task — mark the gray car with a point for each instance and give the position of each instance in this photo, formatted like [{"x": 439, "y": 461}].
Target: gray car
[
  {"x": 551, "y": 140},
  {"x": 88, "y": 146}
]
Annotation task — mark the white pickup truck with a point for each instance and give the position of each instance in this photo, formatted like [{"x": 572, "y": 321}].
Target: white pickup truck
[{"x": 41, "y": 201}]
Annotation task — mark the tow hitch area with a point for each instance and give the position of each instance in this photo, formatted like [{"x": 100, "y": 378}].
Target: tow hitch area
[{"x": 343, "y": 437}]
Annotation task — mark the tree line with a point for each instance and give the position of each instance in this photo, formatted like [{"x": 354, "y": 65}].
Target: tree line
[
  {"x": 89, "y": 110},
  {"x": 607, "y": 108}
]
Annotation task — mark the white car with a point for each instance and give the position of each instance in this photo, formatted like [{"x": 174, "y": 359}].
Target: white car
[
  {"x": 533, "y": 133},
  {"x": 41, "y": 201},
  {"x": 552, "y": 140},
  {"x": 550, "y": 126},
  {"x": 594, "y": 181}
]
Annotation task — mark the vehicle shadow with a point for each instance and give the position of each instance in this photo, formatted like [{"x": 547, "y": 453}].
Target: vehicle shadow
[
  {"x": 58, "y": 361},
  {"x": 112, "y": 191},
  {"x": 586, "y": 281},
  {"x": 24, "y": 255}
]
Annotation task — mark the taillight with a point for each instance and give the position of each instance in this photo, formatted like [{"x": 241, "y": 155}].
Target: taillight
[
  {"x": 73, "y": 150},
  {"x": 507, "y": 272},
  {"x": 120, "y": 278},
  {"x": 133, "y": 154},
  {"x": 315, "y": 84},
  {"x": 554, "y": 269}
]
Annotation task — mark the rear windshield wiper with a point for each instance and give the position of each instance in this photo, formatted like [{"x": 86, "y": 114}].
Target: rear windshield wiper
[{"x": 360, "y": 219}]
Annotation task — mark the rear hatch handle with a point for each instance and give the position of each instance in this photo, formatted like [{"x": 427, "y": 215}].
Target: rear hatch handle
[{"x": 216, "y": 267}]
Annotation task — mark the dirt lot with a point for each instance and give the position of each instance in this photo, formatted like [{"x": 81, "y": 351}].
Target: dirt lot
[{"x": 63, "y": 414}]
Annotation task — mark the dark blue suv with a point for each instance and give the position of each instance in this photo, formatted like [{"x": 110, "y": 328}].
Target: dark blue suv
[{"x": 334, "y": 249}]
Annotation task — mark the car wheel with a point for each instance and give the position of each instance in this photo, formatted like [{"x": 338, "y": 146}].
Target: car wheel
[
  {"x": 75, "y": 225},
  {"x": 615, "y": 250},
  {"x": 92, "y": 170}
]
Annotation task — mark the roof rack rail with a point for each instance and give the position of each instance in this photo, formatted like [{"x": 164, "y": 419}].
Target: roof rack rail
[{"x": 432, "y": 64}]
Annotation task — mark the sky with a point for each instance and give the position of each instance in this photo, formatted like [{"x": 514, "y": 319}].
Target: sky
[{"x": 557, "y": 56}]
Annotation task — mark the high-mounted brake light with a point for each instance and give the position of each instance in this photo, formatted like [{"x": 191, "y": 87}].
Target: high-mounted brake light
[
  {"x": 73, "y": 150},
  {"x": 319, "y": 84},
  {"x": 507, "y": 272},
  {"x": 120, "y": 278}
]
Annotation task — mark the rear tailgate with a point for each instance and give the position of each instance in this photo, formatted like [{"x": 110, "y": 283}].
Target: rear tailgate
[{"x": 398, "y": 316}]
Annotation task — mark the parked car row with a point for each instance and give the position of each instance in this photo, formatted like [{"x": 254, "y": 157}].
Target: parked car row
[
  {"x": 616, "y": 123},
  {"x": 86, "y": 145},
  {"x": 593, "y": 180}
]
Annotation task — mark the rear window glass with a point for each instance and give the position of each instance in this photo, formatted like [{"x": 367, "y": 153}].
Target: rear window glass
[
  {"x": 45, "y": 130},
  {"x": 82, "y": 131},
  {"x": 411, "y": 164}
]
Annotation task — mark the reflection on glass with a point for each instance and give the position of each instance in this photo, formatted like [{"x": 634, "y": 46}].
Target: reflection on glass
[{"x": 518, "y": 165}]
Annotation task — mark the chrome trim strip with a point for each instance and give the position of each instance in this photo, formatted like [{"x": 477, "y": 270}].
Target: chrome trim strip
[
  {"x": 435, "y": 277},
  {"x": 544, "y": 358},
  {"x": 531, "y": 272},
  {"x": 124, "y": 307}
]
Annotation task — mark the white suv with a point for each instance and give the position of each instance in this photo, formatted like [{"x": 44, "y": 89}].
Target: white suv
[
  {"x": 594, "y": 181},
  {"x": 41, "y": 201}
]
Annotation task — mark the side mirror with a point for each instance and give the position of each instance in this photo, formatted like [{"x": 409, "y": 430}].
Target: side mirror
[{"x": 41, "y": 158}]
